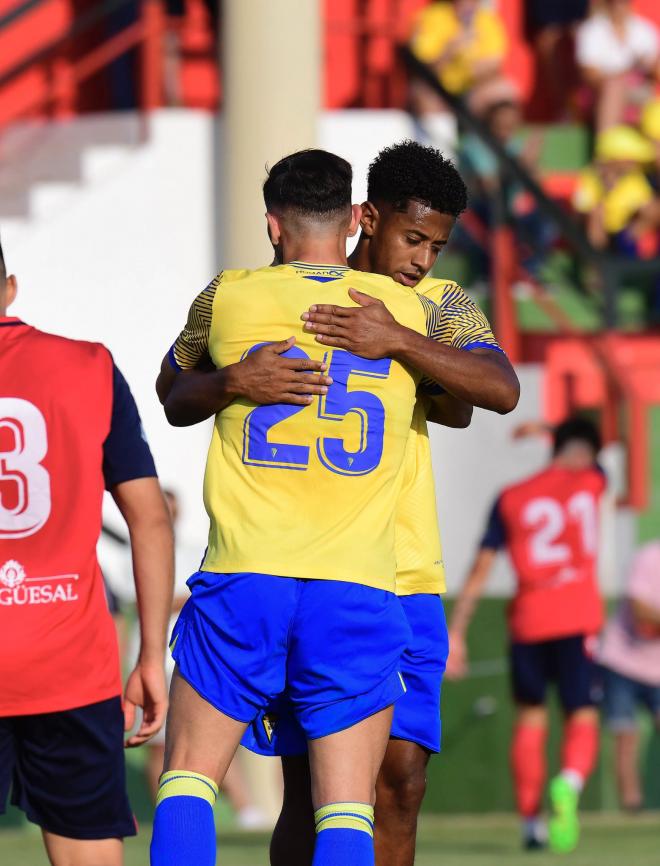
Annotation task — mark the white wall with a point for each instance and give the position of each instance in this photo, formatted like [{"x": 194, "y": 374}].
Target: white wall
[{"x": 120, "y": 263}]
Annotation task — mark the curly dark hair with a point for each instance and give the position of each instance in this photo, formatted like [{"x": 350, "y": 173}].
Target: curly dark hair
[
  {"x": 412, "y": 171},
  {"x": 312, "y": 182}
]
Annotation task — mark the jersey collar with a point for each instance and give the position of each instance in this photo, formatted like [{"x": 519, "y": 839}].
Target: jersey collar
[
  {"x": 10, "y": 321},
  {"x": 319, "y": 273},
  {"x": 309, "y": 266}
]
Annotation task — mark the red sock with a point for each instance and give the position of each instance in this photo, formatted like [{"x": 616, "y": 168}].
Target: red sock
[
  {"x": 579, "y": 750},
  {"x": 528, "y": 765}
]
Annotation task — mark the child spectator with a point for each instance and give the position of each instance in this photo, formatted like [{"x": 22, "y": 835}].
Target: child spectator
[
  {"x": 618, "y": 55},
  {"x": 630, "y": 655},
  {"x": 614, "y": 194}
]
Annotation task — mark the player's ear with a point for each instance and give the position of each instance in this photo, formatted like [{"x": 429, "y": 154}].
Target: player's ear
[
  {"x": 274, "y": 230},
  {"x": 369, "y": 219},
  {"x": 356, "y": 215},
  {"x": 11, "y": 289}
]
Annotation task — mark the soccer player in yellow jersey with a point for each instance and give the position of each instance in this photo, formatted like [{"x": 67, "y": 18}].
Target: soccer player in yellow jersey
[
  {"x": 296, "y": 591},
  {"x": 414, "y": 198}
]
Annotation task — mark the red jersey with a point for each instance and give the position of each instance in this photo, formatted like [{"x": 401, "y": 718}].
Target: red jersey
[
  {"x": 549, "y": 524},
  {"x": 58, "y": 646}
]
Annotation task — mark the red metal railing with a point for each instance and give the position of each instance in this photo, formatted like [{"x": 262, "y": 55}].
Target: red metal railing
[{"x": 51, "y": 55}]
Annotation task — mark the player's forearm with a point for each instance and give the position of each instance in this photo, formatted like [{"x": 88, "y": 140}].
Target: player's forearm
[
  {"x": 196, "y": 396},
  {"x": 143, "y": 506},
  {"x": 153, "y": 568},
  {"x": 449, "y": 411},
  {"x": 480, "y": 378},
  {"x": 472, "y": 590}
]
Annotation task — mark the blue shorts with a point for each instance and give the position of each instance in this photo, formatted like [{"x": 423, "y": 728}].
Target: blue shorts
[
  {"x": 66, "y": 771},
  {"x": 622, "y": 696},
  {"x": 335, "y": 647},
  {"x": 416, "y": 716},
  {"x": 565, "y": 661}
]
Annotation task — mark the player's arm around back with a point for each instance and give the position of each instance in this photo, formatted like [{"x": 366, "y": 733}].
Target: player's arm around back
[
  {"x": 191, "y": 389},
  {"x": 144, "y": 509},
  {"x": 482, "y": 376},
  {"x": 265, "y": 376}
]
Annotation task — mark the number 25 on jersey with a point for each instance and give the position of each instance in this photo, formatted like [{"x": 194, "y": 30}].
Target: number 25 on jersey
[
  {"x": 339, "y": 402},
  {"x": 24, "y": 483}
]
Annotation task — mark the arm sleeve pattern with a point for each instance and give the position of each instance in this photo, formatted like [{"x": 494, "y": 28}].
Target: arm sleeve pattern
[
  {"x": 192, "y": 343},
  {"x": 458, "y": 322},
  {"x": 126, "y": 452},
  {"x": 494, "y": 538}
]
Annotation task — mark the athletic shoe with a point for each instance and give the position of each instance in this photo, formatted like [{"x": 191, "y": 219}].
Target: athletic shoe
[{"x": 564, "y": 826}]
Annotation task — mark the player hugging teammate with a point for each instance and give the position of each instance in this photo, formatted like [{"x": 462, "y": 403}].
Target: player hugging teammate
[{"x": 320, "y": 493}]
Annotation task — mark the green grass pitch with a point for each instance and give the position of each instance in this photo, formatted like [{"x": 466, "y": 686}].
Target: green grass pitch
[{"x": 450, "y": 840}]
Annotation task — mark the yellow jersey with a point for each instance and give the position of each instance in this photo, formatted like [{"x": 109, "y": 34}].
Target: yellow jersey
[
  {"x": 307, "y": 492},
  {"x": 454, "y": 320},
  {"x": 620, "y": 202},
  {"x": 438, "y": 25}
]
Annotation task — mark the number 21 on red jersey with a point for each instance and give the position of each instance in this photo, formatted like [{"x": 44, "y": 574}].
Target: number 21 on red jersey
[{"x": 547, "y": 520}]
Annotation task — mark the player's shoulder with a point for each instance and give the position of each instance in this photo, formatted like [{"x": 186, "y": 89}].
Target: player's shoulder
[
  {"x": 379, "y": 282},
  {"x": 82, "y": 350},
  {"x": 397, "y": 297},
  {"x": 531, "y": 485},
  {"x": 232, "y": 275},
  {"x": 252, "y": 277},
  {"x": 442, "y": 291}
]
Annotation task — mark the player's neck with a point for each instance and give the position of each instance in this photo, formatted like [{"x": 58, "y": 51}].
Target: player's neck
[
  {"x": 322, "y": 251},
  {"x": 359, "y": 258}
]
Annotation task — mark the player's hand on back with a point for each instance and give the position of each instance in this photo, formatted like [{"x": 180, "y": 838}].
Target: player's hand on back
[
  {"x": 369, "y": 330},
  {"x": 146, "y": 687},
  {"x": 264, "y": 376},
  {"x": 457, "y": 661}
]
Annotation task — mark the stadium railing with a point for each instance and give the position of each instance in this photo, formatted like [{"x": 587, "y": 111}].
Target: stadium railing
[
  {"x": 611, "y": 373},
  {"x": 48, "y": 54}
]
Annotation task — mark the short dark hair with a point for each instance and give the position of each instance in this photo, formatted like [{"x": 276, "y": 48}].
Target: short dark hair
[
  {"x": 577, "y": 428},
  {"x": 314, "y": 183},
  {"x": 410, "y": 171}
]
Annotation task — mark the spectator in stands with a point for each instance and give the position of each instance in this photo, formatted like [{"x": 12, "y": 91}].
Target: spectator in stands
[
  {"x": 630, "y": 655},
  {"x": 618, "y": 53},
  {"x": 650, "y": 127},
  {"x": 482, "y": 173},
  {"x": 615, "y": 196},
  {"x": 551, "y": 27},
  {"x": 465, "y": 44}
]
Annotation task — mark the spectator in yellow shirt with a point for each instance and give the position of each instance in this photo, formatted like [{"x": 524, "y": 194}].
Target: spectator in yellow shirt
[
  {"x": 465, "y": 44},
  {"x": 463, "y": 41},
  {"x": 614, "y": 194}
]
